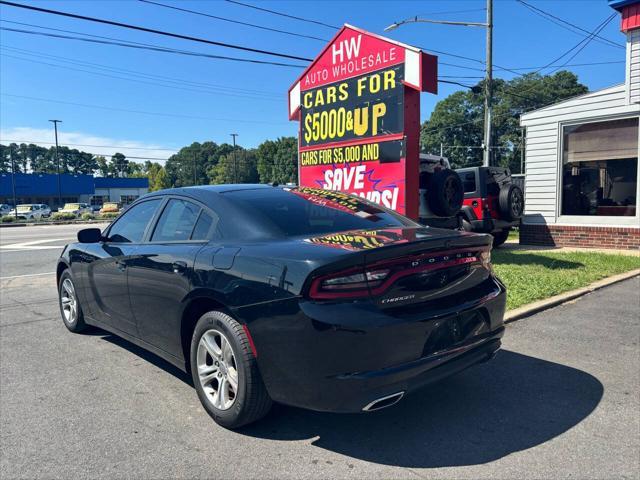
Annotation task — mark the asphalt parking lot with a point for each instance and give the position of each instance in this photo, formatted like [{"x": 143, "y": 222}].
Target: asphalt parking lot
[{"x": 560, "y": 400}]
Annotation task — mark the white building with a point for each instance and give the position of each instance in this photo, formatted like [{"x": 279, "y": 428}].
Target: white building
[{"x": 582, "y": 177}]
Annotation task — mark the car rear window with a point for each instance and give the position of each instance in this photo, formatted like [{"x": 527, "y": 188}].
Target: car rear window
[{"x": 309, "y": 211}]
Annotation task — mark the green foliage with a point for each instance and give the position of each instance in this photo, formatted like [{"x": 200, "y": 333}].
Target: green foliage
[
  {"x": 457, "y": 121},
  {"x": 87, "y": 216},
  {"x": 108, "y": 215},
  {"x": 62, "y": 216},
  {"x": 278, "y": 160},
  {"x": 240, "y": 167},
  {"x": 190, "y": 166},
  {"x": 551, "y": 273},
  {"x": 7, "y": 219}
]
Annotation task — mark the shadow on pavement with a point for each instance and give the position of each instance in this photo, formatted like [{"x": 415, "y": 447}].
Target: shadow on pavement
[{"x": 510, "y": 404}]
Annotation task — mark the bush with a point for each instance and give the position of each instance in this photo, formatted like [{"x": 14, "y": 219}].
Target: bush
[
  {"x": 88, "y": 216},
  {"x": 109, "y": 215},
  {"x": 7, "y": 219},
  {"x": 62, "y": 216}
]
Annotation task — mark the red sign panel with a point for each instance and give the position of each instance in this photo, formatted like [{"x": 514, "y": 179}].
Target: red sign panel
[{"x": 358, "y": 107}]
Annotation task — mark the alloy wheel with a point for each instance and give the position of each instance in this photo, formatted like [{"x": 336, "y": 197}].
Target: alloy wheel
[
  {"x": 69, "y": 301},
  {"x": 217, "y": 369}
]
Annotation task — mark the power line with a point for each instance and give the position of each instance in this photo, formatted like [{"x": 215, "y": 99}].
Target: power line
[
  {"x": 153, "y": 30},
  {"x": 156, "y": 49},
  {"x": 180, "y": 81},
  {"x": 567, "y": 25},
  {"x": 294, "y": 17},
  {"x": 12, "y": 140},
  {"x": 142, "y": 112},
  {"x": 253, "y": 25},
  {"x": 136, "y": 80},
  {"x": 573, "y": 65}
]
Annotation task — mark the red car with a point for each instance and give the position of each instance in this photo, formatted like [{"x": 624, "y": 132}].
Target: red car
[{"x": 492, "y": 202}]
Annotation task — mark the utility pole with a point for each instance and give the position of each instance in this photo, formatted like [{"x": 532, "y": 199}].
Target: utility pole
[
  {"x": 235, "y": 163},
  {"x": 13, "y": 183},
  {"x": 486, "y": 160},
  {"x": 486, "y": 147},
  {"x": 55, "y": 128},
  {"x": 195, "y": 178}
]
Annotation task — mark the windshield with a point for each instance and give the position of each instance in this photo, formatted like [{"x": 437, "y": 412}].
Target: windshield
[
  {"x": 310, "y": 211},
  {"x": 71, "y": 206},
  {"x": 25, "y": 208}
]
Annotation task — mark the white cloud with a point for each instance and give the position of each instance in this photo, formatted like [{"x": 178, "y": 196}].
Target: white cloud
[{"x": 88, "y": 143}]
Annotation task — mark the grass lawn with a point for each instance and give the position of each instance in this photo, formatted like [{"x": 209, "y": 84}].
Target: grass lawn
[{"x": 535, "y": 275}]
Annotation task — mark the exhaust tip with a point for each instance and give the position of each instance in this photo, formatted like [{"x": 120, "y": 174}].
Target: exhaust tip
[{"x": 383, "y": 402}]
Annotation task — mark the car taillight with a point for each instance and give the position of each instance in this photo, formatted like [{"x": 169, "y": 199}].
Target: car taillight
[
  {"x": 376, "y": 278},
  {"x": 350, "y": 283}
]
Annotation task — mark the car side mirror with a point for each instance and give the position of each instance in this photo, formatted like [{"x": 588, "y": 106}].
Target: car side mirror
[{"x": 89, "y": 235}]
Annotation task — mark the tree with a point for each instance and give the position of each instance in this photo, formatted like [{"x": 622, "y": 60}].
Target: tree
[
  {"x": 192, "y": 163},
  {"x": 241, "y": 168},
  {"x": 278, "y": 160},
  {"x": 457, "y": 121},
  {"x": 160, "y": 181},
  {"x": 120, "y": 164}
]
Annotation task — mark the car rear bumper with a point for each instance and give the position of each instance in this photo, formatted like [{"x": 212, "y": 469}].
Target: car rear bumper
[{"x": 341, "y": 357}]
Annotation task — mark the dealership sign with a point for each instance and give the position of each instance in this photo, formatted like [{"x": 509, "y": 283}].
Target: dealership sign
[{"x": 358, "y": 105}]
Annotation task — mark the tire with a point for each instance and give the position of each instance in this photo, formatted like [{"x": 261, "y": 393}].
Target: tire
[
  {"x": 69, "y": 304},
  {"x": 250, "y": 400},
  {"x": 511, "y": 202},
  {"x": 500, "y": 237},
  {"x": 445, "y": 193}
]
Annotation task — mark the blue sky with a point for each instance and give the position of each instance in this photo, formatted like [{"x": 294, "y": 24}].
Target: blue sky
[{"x": 219, "y": 97}]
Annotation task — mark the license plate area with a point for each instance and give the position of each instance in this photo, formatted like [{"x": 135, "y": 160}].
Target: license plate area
[{"x": 455, "y": 330}]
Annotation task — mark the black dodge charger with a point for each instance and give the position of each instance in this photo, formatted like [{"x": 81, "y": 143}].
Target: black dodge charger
[{"x": 301, "y": 296}]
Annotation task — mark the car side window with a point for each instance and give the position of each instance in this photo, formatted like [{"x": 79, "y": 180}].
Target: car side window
[
  {"x": 176, "y": 222},
  {"x": 206, "y": 227},
  {"x": 130, "y": 227}
]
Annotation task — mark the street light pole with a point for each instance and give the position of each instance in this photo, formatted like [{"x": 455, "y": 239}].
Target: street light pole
[
  {"x": 55, "y": 128},
  {"x": 488, "y": 91},
  {"x": 235, "y": 163}
]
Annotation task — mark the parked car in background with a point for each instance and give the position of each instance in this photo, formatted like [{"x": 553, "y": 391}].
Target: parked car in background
[
  {"x": 307, "y": 297},
  {"x": 492, "y": 202},
  {"x": 29, "y": 211},
  {"x": 5, "y": 209},
  {"x": 110, "y": 207},
  {"x": 45, "y": 211},
  {"x": 76, "y": 208}
]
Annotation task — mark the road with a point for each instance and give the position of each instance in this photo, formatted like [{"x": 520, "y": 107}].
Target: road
[
  {"x": 560, "y": 400},
  {"x": 34, "y": 250}
]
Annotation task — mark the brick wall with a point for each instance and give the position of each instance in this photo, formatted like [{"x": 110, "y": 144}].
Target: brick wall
[{"x": 577, "y": 236}]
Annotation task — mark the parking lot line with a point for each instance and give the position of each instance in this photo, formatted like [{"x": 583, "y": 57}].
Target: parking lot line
[{"x": 28, "y": 275}]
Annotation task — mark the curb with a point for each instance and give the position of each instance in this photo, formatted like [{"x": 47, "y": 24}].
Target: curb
[{"x": 540, "y": 305}]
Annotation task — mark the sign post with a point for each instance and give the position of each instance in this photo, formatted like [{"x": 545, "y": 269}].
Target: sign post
[{"x": 358, "y": 105}]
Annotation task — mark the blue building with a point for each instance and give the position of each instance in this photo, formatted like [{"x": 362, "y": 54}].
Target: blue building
[{"x": 43, "y": 188}]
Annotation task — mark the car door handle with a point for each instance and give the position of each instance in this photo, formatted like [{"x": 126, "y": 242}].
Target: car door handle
[
  {"x": 122, "y": 266},
  {"x": 179, "y": 266}
]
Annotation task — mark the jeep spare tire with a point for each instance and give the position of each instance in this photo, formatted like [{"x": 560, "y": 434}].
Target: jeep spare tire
[
  {"x": 511, "y": 202},
  {"x": 445, "y": 193}
]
